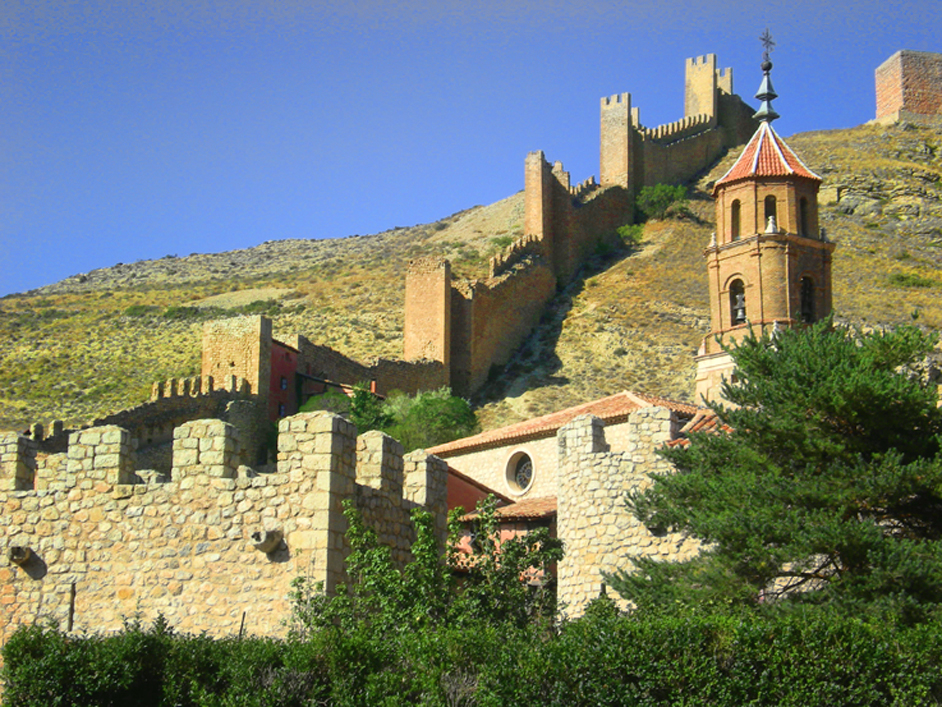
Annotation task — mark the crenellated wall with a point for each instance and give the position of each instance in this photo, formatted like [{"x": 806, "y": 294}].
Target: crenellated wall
[
  {"x": 455, "y": 332},
  {"x": 599, "y": 532},
  {"x": 209, "y": 548}
]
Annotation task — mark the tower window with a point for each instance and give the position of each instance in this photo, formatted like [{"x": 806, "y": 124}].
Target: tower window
[
  {"x": 284, "y": 383},
  {"x": 803, "y": 217},
  {"x": 807, "y": 300},
  {"x": 737, "y": 303},
  {"x": 771, "y": 218},
  {"x": 734, "y": 217}
]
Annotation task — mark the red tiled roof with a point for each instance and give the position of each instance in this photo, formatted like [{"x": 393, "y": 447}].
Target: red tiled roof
[
  {"x": 704, "y": 421},
  {"x": 527, "y": 509},
  {"x": 614, "y": 408},
  {"x": 766, "y": 155}
]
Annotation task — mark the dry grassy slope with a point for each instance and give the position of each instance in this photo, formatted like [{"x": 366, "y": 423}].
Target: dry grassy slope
[{"x": 68, "y": 350}]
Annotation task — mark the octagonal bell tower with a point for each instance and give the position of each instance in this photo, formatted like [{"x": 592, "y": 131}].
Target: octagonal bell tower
[{"x": 769, "y": 263}]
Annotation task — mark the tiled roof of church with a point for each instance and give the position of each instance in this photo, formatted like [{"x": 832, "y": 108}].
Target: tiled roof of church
[
  {"x": 766, "y": 155},
  {"x": 614, "y": 408},
  {"x": 527, "y": 509},
  {"x": 705, "y": 421}
]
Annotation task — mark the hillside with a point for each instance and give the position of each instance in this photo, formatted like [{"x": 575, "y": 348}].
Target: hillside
[{"x": 93, "y": 343}]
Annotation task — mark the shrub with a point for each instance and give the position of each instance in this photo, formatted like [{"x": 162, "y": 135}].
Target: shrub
[
  {"x": 140, "y": 310},
  {"x": 911, "y": 280},
  {"x": 631, "y": 234},
  {"x": 661, "y": 200}
]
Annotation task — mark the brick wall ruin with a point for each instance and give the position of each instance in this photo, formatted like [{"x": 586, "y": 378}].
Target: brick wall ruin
[
  {"x": 909, "y": 87},
  {"x": 104, "y": 541},
  {"x": 599, "y": 532}
]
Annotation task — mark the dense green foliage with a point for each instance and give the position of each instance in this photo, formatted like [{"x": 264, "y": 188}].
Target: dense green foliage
[
  {"x": 661, "y": 200},
  {"x": 418, "y": 636},
  {"x": 807, "y": 659},
  {"x": 426, "y": 593},
  {"x": 418, "y": 421},
  {"x": 827, "y": 490}
]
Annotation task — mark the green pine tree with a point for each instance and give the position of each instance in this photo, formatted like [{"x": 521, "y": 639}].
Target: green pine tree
[{"x": 828, "y": 488}]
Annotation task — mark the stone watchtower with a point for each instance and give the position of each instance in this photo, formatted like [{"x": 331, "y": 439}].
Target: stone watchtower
[{"x": 769, "y": 264}]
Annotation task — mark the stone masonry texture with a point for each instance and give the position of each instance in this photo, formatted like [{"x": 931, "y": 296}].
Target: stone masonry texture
[
  {"x": 135, "y": 544},
  {"x": 599, "y": 532}
]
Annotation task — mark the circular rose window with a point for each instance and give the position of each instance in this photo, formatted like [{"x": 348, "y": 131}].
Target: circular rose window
[{"x": 520, "y": 472}]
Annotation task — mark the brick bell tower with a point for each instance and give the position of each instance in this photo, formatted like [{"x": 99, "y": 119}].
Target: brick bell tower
[{"x": 768, "y": 263}]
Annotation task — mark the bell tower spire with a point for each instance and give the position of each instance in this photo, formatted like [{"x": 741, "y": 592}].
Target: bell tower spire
[{"x": 768, "y": 263}]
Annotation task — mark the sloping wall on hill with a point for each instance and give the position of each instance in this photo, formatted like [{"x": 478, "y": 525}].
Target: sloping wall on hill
[{"x": 473, "y": 325}]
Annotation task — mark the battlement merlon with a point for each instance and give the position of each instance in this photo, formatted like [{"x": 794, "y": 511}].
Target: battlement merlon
[
  {"x": 615, "y": 102},
  {"x": 17, "y": 461}
]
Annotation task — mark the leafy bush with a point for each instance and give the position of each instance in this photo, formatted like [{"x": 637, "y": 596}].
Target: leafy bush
[
  {"x": 140, "y": 310},
  {"x": 333, "y": 400},
  {"x": 912, "y": 280},
  {"x": 662, "y": 200},
  {"x": 418, "y": 421},
  {"x": 631, "y": 234},
  {"x": 502, "y": 241},
  {"x": 429, "y": 418}
]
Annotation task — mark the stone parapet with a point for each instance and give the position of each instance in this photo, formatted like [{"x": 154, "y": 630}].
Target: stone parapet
[{"x": 213, "y": 546}]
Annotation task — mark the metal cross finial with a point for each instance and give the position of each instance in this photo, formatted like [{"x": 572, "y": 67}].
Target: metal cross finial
[{"x": 767, "y": 43}]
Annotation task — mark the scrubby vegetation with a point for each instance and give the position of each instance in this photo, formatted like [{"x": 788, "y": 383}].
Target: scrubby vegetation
[
  {"x": 418, "y": 421},
  {"x": 662, "y": 200}
]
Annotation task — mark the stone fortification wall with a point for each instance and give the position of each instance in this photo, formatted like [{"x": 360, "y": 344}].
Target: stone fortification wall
[
  {"x": 324, "y": 362},
  {"x": 151, "y": 424},
  {"x": 389, "y": 374},
  {"x": 680, "y": 129},
  {"x": 599, "y": 532},
  {"x": 491, "y": 318},
  {"x": 909, "y": 87},
  {"x": 678, "y": 161},
  {"x": 569, "y": 228},
  {"x": 410, "y": 377},
  {"x": 521, "y": 249},
  {"x": 211, "y": 545}
]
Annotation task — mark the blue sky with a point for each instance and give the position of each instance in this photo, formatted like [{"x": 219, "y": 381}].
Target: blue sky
[{"x": 134, "y": 130}]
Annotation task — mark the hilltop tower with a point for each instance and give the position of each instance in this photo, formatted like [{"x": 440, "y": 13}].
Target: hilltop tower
[{"x": 768, "y": 263}]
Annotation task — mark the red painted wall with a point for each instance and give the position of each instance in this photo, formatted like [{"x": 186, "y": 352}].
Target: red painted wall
[{"x": 282, "y": 390}]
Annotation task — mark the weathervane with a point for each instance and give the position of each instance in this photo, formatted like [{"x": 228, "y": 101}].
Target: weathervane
[
  {"x": 767, "y": 44},
  {"x": 766, "y": 93}
]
